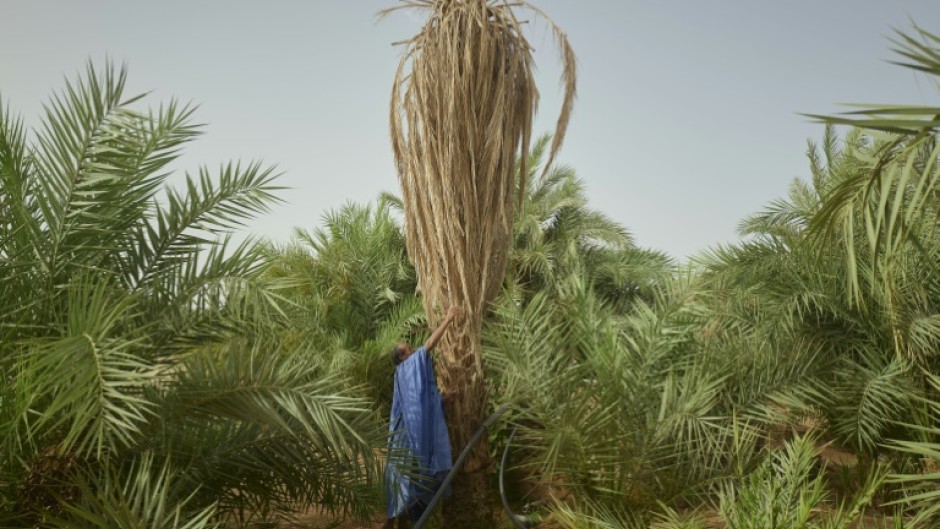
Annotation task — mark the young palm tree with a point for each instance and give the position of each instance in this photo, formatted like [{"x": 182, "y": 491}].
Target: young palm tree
[
  {"x": 143, "y": 384},
  {"x": 353, "y": 296},
  {"x": 892, "y": 204},
  {"x": 662, "y": 401},
  {"x": 557, "y": 237},
  {"x": 461, "y": 116},
  {"x": 791, "y": 292}
]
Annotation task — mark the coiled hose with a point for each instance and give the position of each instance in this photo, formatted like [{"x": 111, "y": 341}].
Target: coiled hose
[{"x": 458, "y": 464}]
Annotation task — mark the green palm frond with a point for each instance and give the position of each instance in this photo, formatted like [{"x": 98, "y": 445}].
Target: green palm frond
[
  {"x": 145, "y": 378},
  {"x": 18, "y": 209},
  {"x": 922, "y": 491},
  {"x": 275, "y": 430},
  {"x": 625, "y": 275},
  {"x": 143, "y": 498},
  {"x": 786, "y": 492},
  {"x": 918, "y": 51},
  {"x": 94, "y": 168},
  {"x": 358, "y": 264},
  {"x": 619, "y": 412},
  {"x": 688, "y": 420},
  {"x": 887, "y": 201},
  {"x": 597, "y": 516},
  {"x": 93, "y": 375},
  {"x": 557, "y": 237},
  {"x": 672, "y": 519},
  {"x": 194, "y": 218},
  {"x": 871, "y": 394}
]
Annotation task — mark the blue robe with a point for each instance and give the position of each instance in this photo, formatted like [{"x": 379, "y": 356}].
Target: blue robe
[{"x": 417, "y": 429}]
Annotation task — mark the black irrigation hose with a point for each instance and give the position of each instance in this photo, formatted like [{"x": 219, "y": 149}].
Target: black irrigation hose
[
  {"x": 458, "y": 464},
  {"x": 502, "y": 491}
]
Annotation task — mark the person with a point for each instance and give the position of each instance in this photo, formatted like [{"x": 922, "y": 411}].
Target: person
[{"x": 417, "y": 431}]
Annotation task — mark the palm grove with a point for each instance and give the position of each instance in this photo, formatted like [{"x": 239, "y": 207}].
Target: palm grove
[{"x": 157, "y": 373}]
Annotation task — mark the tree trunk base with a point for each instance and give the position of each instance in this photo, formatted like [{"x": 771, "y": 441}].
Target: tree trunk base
[{"x": 470, "y": 506}]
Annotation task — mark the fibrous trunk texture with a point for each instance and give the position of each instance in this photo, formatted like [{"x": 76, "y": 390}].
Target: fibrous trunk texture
[{"x": 461, "y": 116}]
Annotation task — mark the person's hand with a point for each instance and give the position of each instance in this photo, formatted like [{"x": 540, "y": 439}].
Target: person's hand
[{"x": 453, "y": 312}]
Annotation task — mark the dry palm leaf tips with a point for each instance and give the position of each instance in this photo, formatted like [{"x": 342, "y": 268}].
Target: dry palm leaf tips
[{"x": 462, "y": 106}]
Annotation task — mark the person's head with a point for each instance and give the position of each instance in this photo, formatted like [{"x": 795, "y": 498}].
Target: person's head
[{"x": 401, "y": 352}]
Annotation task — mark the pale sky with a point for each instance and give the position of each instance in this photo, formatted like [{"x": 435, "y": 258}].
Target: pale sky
[{"x": 686, "y": 120}]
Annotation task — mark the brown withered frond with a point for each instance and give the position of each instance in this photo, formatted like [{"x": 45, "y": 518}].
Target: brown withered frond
[{"x": 462, "y": 106}]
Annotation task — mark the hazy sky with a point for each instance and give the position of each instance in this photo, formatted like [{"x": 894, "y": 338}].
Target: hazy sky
[{"x": 686, "y": 119}]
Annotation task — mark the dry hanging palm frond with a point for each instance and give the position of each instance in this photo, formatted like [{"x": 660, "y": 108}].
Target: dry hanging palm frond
[
  {"x": 462, "y": 106},
  {"x": 460, "y": 120}
]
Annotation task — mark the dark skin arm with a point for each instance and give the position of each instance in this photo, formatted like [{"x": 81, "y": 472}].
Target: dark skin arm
[
  {"x": 436, "y": 337},
  {"x": 439, "y": 332}
]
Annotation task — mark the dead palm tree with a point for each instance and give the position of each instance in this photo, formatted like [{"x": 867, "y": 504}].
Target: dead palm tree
[{"x": 461, "y": 119}]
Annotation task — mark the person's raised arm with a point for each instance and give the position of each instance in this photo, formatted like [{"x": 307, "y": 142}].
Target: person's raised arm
[{"x": 439, "y": 332}]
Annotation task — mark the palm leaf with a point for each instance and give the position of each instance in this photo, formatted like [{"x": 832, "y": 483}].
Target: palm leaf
[
  {"x": 93, "y": 375},
  {"x": 145, "y": 497}
]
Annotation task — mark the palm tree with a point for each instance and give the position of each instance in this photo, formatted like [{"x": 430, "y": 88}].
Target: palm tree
[
  {"x": 353, "y": 295},
  {"x": 461, "y": 116},
  {"x": 586, "y": 277},
  {"x": 675, "y": 397},
  {"x": 143, "y": 381},
  {"x": 784, "y": 490},
  {"x": 352, "y": 272},
  {"x": 794, "y": 290},
  {"x": 557, "y": 239},
  {"x": 890, "y": 205}
]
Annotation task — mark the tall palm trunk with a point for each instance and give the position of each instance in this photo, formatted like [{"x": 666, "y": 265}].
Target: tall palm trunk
[{"x": 461, "y": 119}]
